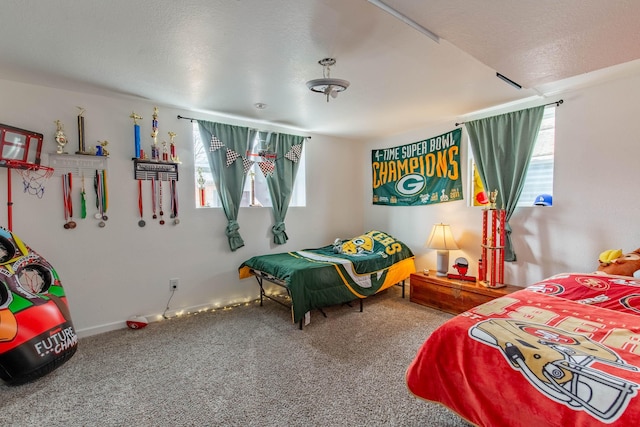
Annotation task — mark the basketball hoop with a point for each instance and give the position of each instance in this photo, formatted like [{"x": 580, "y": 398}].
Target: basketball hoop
[{"x": 33, "y": 176}]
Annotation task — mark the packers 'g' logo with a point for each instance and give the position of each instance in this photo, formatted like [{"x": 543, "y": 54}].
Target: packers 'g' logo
[
  {"x": 410, "y": 185},
  {"x": 358, "y": 245}
]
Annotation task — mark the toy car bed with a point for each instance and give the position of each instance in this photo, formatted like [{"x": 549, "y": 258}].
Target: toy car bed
[
  {"x": 562, "y": 352},
  {"x": 334, "y": 274},
  {"x": 36, "y": 331}
]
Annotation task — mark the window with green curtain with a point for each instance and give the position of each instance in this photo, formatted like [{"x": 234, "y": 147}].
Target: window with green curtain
[
  {"x": 256, "y": 190},
  {"x": 502, "y": 147},
  {"x": 539, "y": 178},
  {"x": 227, "y": 142},
  {"x": 288, "y": 149},
  {"x": 232, "y": 153}
]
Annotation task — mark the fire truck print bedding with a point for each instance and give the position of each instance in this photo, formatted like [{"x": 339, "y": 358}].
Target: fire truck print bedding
[{"x": 562, "y": 352}]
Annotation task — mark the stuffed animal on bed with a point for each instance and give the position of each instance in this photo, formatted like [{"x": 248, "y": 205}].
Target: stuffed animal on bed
[{"x": 614, "y": 262}]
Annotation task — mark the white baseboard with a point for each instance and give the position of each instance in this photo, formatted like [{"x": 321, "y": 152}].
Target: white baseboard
[{"x": 95, "y": 330}]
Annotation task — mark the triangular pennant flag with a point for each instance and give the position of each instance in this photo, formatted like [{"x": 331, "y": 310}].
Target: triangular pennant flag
[
  {"x": 267, "y": 168},
  {"x": 216, "y": 144},
  {"x": 246, "y": 164},
  {"x": 232, "y": 156},
  {"x": 294, "y": 153}
]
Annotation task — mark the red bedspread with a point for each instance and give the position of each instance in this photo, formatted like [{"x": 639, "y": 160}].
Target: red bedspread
[{"x": 536, "y": 359}]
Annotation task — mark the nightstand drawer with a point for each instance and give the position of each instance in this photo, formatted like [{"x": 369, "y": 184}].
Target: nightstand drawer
[{"x": 452, "y": 296}]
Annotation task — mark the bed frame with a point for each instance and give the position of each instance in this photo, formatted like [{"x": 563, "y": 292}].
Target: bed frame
[{"x": 262, "y": 276}]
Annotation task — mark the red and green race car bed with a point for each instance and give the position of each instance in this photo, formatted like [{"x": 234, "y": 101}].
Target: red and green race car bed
[
  {"x": 334, "y": 274},
  {"x": 562, "y": 352},
  {"x": 36, "y": 332}
]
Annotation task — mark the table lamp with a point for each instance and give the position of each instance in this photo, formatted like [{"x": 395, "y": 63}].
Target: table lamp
[{"x": 441, "y": 239}]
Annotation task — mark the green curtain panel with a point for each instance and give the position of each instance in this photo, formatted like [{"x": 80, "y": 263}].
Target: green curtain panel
[
  {"x": 229, "y": 179},
  {"x": 502, "y": 147},
  {"x": 281, "y": 182}
]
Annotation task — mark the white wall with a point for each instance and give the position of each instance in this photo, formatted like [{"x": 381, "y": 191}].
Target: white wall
[
  {"x": 112, "y": 273},
  {"x": 595, "y": 201}
]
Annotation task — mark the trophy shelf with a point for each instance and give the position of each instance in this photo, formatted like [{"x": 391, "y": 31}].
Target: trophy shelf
[
  {"x": 156, "y": 170},
  {"x": 76, "y": 164}
]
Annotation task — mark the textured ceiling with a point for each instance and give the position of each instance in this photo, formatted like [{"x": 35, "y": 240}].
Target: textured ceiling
[
  {"x": 535, "y": 42},
  {"x": 223, "y": 56}
]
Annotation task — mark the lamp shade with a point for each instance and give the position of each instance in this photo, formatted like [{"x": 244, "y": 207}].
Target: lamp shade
[{"x": 441, "y": 238}]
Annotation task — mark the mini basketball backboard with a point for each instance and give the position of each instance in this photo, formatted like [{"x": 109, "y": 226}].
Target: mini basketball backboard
[{"x": 19, "y": 144}]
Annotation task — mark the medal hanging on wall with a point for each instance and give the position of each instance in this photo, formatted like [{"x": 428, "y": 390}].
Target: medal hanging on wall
[
  {"x": 99, "y": 184},
  {"x": 83, "y": 199},
  {"x": 68, "y": 201},
  {"x": 105, "y": 195},
  {"x": 153, "y": 198},
  {"x": 141, "y": 223},
  {"x": 160, "y": 203},
  {"x": 174, "y": 201}
]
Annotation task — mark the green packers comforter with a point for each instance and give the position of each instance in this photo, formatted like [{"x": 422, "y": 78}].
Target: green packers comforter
[{"x": 338, "y": 273}]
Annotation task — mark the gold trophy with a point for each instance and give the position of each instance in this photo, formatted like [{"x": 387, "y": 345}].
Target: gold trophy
[
  {"x": 81, "y": 141},
  {"x": 172, "y": 148},
  {"x": 61, "y": 139},
  {"x": 155, "y": 152},
  {"x": 165, "y": 152},
  {"x": 493, "y": 196},
  {"x": 102, "y": 151}
]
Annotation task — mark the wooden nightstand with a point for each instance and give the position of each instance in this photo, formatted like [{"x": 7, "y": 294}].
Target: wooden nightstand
[{"x": 452, "y": 296}]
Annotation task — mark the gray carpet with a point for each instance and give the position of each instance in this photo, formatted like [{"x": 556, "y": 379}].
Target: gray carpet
[{"x": 246, "y": 366}]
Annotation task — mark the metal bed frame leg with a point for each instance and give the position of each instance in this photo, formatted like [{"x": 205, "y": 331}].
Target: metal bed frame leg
[
  {"x": 263, "y": 294},
  {"x": 301, "y": 323},
  {"x": 259, "y": 279},
  {"x": 401, "y": 285}
]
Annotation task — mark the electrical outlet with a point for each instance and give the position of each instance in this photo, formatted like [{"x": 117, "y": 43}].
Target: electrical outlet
[{"x": 173, "y": 284}]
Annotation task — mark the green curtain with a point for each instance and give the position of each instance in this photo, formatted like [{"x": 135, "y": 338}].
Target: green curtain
[
  {"x": 280, "y": 183},
  {"x": 230, "y": 179},
  {"x": 502, "y": 147}
]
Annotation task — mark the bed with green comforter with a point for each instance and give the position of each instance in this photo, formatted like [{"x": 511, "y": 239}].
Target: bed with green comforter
[{"x": 334, "y": 274}]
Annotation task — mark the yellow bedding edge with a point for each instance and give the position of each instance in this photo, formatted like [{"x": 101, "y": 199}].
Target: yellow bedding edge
[{"x": 398, "y": 272}]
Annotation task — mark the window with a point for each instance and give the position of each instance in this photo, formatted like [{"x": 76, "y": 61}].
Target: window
[
  {"x": 256, "y": 191},
  {"x": 539, "y": 179}
]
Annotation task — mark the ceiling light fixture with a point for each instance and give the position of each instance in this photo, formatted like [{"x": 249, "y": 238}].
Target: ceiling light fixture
[
  {"x": 327, "y": 85},
  {"x": 410, "y": 22}
]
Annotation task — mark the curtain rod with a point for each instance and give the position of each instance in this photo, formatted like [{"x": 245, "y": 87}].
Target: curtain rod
[
  {"x": 545, "y": 105},
  {"x": 191, "y": 119}
]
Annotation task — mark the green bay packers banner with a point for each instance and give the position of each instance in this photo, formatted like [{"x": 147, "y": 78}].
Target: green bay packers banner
[{"x": 420, "y": 173}]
